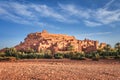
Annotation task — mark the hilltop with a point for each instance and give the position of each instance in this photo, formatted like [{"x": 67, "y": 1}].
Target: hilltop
[{"x": 41, "y": 41}]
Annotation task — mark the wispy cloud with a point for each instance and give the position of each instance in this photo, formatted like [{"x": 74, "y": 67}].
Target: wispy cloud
[
  {"x": 105, "y": 16},
  {"x": 32, "y": 14},
  {"x": 94, "y": 34},
  {"x": 92, "y": 24},
  {"x": 108, "y": 4},
  {"x": 93, "y": 17},
  {"x": 46, "y": 11},
  {"x": 17, "y": 13},
  {"x": 73, "y": 10}
]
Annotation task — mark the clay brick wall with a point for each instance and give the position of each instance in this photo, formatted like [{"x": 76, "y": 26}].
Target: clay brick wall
[{"x": 45, "y": 40}]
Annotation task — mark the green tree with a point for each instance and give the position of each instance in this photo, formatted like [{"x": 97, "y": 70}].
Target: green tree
[
  {"x": 58, "y": 56},
  {"x": 107, "y": 48},
  {"x": 117, "y": 46},
  {"x": 95, "y": 56},
  {"x": 11, "y": 52}
]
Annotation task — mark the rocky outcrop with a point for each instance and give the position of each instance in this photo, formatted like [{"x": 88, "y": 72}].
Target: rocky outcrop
[{"x": 56, "y": 42}]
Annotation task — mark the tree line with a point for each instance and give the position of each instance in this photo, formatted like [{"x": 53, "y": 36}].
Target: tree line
[{"x": 102, "y": 53}]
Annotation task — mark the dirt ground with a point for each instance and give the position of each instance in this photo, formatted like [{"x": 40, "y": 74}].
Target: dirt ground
[{"x": 60, "y": 69}]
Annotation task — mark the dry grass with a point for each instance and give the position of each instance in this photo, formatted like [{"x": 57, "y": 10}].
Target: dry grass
[{"x": 60, "y": 70}]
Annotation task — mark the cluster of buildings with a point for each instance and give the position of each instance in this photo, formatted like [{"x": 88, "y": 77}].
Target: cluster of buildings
[{"x": 57, "y": 42}]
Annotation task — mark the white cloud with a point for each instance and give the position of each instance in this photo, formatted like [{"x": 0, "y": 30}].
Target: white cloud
[
  {"x": 21, "y": 9},
  {"x": 46, "y": 11},
  {"x": 93, "y": 17},
  {"x": 92, "y": 24},
  {"x": 95, "y": 34},
  {"x": 27, "y": 13},
  {"x": 17, "y": 13},
  {"x": 2, "y": 11},
  {"x": 11, "y": 17},
  {"x": 108, "y": 4},
  {"x": 32, "y": 13},
  {"x": 106, "y": 17},
  {"x": 73, "y": 10}
]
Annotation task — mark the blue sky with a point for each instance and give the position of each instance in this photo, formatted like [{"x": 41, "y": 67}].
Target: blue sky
[{"x": 92, "y": 19}]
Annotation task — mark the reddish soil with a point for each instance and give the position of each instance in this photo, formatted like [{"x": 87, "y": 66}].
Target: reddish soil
[{"x": 63, "y": 69}]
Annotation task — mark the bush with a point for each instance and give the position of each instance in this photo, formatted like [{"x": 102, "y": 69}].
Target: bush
[
  {"x": 96, "y": 57},
  {"x": 26, "y": 56},
  {"x": 39, "y": 55},
  {"x": 31, "y": 56},
  {"x": 108, "y": 57},
  {"x": 7, "y": 59},
  {"x": 21, "y": 56},
  {"x": 88, "y": 55},
  {"x": 48, "y": 56},
  {"x": 117, "y": 57},
  {"x": 2, "y": 54},
  {"x": 82, "y": 58},
  {"x": 10, "y": 52},
  {"x": 58, "y": 56},
  {"x": 78, "y": 56},
  {"x": 67, "y": 55}
]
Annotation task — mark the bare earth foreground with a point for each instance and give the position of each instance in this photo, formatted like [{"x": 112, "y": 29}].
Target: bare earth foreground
[{"x": 63, "y": 69}]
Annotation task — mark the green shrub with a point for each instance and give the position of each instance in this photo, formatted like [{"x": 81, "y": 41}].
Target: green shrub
[
  {"x": 2, "y": 54},
  {"x": 88, "y": 55},
  {"x": 48, "y": 56},
  {"x": 7, "y": 58},
  {"x": 25, "y": 56},
  {"x": 39, "y": 55},
  {"x": 67, "y": 55},
  {"x": 108, "y": 57},
  {"x": 10, "y": 52},
  {"x": 82, "y": 58},
  {"x": 30, "y": 56},
  {"x": 96, "y": 57},
  {"x": 58, "y": 56},
  {"x": 21, "y": 56},
  {"x": 78, "y": 56},
  {"x": 117, "y": 57}
]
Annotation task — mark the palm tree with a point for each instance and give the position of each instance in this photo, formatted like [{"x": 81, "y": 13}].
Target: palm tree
[{"x": 117, "y": 46}]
